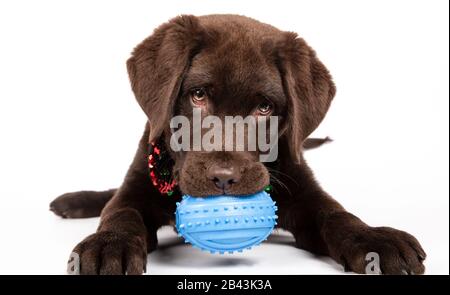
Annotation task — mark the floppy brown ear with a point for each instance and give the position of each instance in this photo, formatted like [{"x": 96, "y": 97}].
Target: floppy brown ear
[
  {"x": 157, "y": 66},
  {"x": 309, "y": 88}
]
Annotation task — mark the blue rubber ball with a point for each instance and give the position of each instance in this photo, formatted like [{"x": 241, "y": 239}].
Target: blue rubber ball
[{"x": 226, "y": 223}]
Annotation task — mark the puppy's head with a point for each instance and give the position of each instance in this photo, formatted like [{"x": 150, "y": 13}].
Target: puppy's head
[{"x": 227, "y": 65}]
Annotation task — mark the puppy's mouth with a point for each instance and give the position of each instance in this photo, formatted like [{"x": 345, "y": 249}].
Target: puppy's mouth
[
  {"x": 206, "y": 188},
  {"x": 223, "y": 193},
  {"x": 229, "y": 192}
]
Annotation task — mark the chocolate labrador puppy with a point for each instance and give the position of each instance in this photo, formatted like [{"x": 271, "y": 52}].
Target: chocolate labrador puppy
[{"x": 228, "y": 65}]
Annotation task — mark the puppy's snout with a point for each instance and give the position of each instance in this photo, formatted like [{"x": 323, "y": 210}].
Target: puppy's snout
[{"x": 223, "y": 177}]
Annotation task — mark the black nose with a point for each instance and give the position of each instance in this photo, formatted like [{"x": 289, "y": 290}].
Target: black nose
[{"x": 223, "y": 177}]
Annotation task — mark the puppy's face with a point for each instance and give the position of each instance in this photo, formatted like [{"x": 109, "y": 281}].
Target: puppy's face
[
  {"x": 227, "y": 65},
  {"x": 228, "y": 79}
]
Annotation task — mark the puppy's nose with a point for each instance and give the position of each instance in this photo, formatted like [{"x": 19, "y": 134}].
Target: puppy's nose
[{"x": 223, "y": 177}]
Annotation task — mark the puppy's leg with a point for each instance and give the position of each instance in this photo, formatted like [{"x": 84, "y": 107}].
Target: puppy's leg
[
  {"x": 321, "y": 225},
  {"x": 127, "y": 230}
]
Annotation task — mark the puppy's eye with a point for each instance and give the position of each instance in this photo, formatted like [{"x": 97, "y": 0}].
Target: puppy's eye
[
  {"x": 264, "y": 109},
  {"x": 199, "y": 96}
]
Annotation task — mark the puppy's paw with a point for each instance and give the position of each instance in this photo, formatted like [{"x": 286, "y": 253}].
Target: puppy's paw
[
  {"x": 110, "y": 253},
  {"x": 382, "y": 250},
  {"x": 81, "y": 204}
]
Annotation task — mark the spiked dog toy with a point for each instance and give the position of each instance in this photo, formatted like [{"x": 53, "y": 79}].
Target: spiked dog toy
[{"x": 226, "y": 223}]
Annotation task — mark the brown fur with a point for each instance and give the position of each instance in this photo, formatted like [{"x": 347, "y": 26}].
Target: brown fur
[{"x": 240, "y": 60}]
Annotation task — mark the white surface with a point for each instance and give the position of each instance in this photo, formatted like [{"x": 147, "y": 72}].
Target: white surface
[{"x": 68, "y": 121}]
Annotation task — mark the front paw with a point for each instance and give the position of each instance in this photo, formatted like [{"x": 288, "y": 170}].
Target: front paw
[
  {"x": 110, "y": 253},
  {"x": 381, "y": 250}
]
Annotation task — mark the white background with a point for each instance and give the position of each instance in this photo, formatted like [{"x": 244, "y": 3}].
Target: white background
[{"x": 69, "y": 121}]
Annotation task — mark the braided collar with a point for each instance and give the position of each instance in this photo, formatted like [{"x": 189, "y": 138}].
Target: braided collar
[{"x": 160, "y": 166}]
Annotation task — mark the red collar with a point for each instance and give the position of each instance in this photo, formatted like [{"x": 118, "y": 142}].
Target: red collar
[{"x": 160, "y": 166}]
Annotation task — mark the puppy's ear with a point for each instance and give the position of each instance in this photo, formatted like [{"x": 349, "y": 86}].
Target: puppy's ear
[
  {"x": 157, "y": 66},
  {"x": 308, "y": 86}
]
